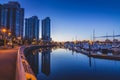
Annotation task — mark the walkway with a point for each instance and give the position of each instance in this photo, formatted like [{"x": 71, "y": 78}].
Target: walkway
[{"x": 8, "y": 63}]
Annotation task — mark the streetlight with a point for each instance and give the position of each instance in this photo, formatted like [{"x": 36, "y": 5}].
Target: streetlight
[
  {"x": 4, "y": 31},
  {"x": 10, "y": 43},
  {"x": 9, "y": 34}
]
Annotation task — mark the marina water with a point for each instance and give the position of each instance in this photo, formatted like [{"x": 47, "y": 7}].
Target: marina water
[{"x": 63, "y": 64}]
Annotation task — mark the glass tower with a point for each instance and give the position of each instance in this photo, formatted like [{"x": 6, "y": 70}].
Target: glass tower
[
  {"x": 12, "y": 18},
  {"x": 32, "y": 28},
  {"x": 46, "y": 29}
]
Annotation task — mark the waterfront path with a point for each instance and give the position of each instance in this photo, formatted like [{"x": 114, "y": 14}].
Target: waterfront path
[{"x": 8, "y": 58}]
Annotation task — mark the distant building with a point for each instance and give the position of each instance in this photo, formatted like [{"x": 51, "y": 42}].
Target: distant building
[
  {"x": 12, "y": 18},
  {"x": 46, "y": 31},
  {"x": 32, "y": 28}
]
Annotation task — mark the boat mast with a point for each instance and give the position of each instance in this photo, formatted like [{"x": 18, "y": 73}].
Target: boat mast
[{"x": 93, "y": 35}]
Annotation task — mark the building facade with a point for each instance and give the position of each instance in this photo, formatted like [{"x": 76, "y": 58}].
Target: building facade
[
  {"x": 12, "y": 18},
  {"x": 32, "y": 28},
  {"x": 46, "y": 29}
]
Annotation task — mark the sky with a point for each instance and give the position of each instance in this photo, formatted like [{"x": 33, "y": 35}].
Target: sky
[{"x": 75, "y": 19}]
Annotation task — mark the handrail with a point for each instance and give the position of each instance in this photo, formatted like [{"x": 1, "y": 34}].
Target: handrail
[
  {"x": 23, "y": 69},
  {"x": 20, "y": 73}
]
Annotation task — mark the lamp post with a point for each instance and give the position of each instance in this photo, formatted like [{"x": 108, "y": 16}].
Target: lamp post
[
  {"x": 4, "y": 31},
  {"x": 9, "y": 39},
  {"x": 9, "y": 34}
]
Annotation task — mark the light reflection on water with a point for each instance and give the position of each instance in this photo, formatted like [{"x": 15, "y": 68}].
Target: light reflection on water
[{"x": 62, "y": 64}]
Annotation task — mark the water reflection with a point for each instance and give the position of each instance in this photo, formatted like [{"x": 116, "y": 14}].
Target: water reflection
[
  {"x": 45, "y": 67},
  {"x": 90, "y": 63},
  {"x": 33, "y": 59},
  {"x": 61, "y": 64}
]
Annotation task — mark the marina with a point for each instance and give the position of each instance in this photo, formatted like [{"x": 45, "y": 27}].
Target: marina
[
  {"x": 98, "y": 49},
  {"x": 60, "y": 40},
  {"x": 63, "y": 64}
]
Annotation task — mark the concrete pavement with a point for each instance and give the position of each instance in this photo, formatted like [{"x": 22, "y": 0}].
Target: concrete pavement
[{"x": 8, "y": 59}]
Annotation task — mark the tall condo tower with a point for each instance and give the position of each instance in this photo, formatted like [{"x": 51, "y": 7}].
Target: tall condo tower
[
  {"x": 12, "y": 18},
  {"x": 46, "y": 30},
  {"x": 32, "y": 28}
]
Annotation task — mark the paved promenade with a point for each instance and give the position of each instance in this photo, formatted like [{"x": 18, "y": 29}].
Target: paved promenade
[{"x": 8, "y": 63}]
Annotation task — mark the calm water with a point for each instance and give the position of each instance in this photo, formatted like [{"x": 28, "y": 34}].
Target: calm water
[{"x": 62, "y": 64}]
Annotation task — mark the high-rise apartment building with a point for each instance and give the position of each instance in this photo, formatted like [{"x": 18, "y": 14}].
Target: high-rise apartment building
[
  {"x": 32, "y": 28},
  {"x": 46, "y": 31},
  {"x": 12, "y": 18}
]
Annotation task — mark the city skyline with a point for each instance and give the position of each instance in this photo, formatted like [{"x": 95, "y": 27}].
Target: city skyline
[{"x": 75, "y": 19}]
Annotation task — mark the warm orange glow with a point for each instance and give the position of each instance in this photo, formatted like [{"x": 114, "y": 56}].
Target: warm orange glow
[
  {"x": 19, "y": 38},
  {"x": 90, "y": 42},
  {"x": 9, "y": 33},
  {"x": 4, "y": 30}
]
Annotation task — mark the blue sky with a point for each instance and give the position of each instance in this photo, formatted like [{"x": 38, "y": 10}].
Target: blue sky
[{"x": 75, "y": 19}]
